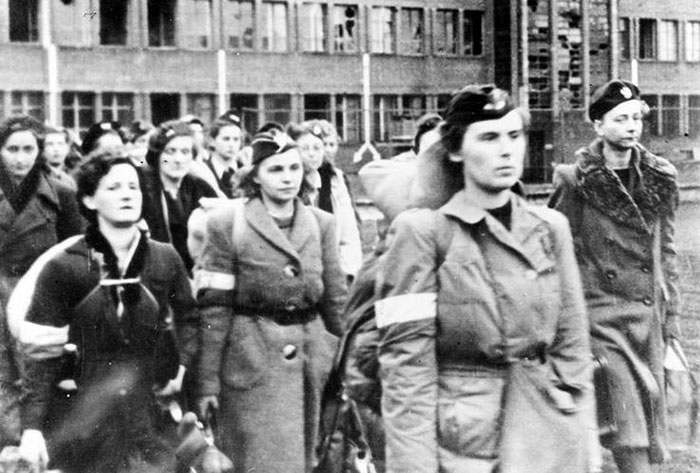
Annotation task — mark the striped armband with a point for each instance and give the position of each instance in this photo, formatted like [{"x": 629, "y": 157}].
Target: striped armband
[
  {"x": 42, "y": 341},
  {"x": 406, "y": 308},
  {"x": 204, "y": 279}
]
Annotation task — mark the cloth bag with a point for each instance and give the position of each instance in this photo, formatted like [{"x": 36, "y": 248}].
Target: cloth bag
[{"x": 682, "y": 398}]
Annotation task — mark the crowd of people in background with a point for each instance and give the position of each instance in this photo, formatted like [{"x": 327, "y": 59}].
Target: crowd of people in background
[{"x": 190, "y": 264}]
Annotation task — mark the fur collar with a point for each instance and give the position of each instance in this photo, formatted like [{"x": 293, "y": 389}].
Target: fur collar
[{"x": 655, "y": 192}]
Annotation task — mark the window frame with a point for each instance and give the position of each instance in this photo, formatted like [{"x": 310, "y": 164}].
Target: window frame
[
  {"x": 242, "y": 36},
  {"x": 662, "y": 34},
  {"x": 32, "y": 18},
  {"x": 401, "y": 42},
  {"x": 652, "y": 42},
  {"x": 454, "y": 50},
  {"x": 273, "y": 38},
  {"x": 356, "y": 39},
  {"x": 692, "y": 38},
  {"x": 76, "y": 108},
  {"x": 305, "y": 24},
  {"x": 392, "y": 34}
]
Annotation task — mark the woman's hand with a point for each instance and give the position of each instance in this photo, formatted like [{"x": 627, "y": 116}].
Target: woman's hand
[
  {"x": 205, "y": 405},
  {"x": 563, "y": 400},
  {"x": 33, "y": 448},
  {"x": 174, "y": 386}
]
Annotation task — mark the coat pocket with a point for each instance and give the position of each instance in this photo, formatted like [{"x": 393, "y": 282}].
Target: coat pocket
[{"x": 246, "y": 354}]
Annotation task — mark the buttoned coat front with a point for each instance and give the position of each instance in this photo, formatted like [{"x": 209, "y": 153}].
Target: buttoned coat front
[
  {"x": 624, "y": 242},
  {"x": 269, "y": 372}
]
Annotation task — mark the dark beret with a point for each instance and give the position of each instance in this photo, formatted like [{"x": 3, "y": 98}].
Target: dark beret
[
  {"x": 266, "y": 144},
  {"x": 476, "y": 103},
  {"x": 96, "y": 131},
  {"x": 164, "y": 133},
  {"x": 609, "y": 96}
]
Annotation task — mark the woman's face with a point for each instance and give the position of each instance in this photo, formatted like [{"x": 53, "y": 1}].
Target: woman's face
[
  {"x": 109, "y": 140},
  {"x": 228, "y": 142},
  {"x": 176, "y": 158},
  {"x": 280, "y": 176},
  {"x": 312, "y": 150},
  {"x": 331, "y": 146},
  {"x": 19, "y": 154},
  {"x": 117, "y": 199},
  {"x": 55, "y": 149}
]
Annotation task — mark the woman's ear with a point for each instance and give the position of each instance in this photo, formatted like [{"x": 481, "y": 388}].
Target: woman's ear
[
  {"x": 455, "y": 157},
  {"x": 597, "y": 127},
  {"x": 89, "y": 202}
]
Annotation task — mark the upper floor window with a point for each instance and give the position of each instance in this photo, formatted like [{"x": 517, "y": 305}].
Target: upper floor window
[
  {"x": 161, "y": 22},
  {"x": 24, "y": 20},
  {"x": 445, "y": 34},
  {"x": 345, "y": 35},
  {"x": 196, "y": 30},
  {"x": 473, "y": 33},
  {"x": 313, "y": 27},
  {"x": 239, "y": 24},
  {"x": 274, "y": 26},
  {"x": 668, "y": 40},
  {"x": 113, "y": 16},
  {"x": 623, "y": 32},
  {"x": 411, "y": 35},
  {"x": 27, "y": 103},
  {"x": 118, "y": 107},
  {"x": 692, "y": 41},
  {"x": 647, "y": 38},
  {"x": 383, "y": 30}
]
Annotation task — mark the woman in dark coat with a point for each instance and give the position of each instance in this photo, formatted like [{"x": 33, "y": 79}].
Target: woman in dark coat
[
  {"x": 621, "y": 202},
  {"x": 125, "y": 303},
  {"x": 36, "y": 212},
  {"x": 271, "y": 300},
  {"x": 170, "y": 192}
]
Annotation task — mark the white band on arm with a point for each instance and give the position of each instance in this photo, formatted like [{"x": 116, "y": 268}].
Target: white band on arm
[
  {"x": 204, "y": 279},
  {"x": 406, "y": 308}
]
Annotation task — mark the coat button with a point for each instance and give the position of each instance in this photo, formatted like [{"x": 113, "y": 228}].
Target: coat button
[
  {"x": 530, "y": 275},
  {"x": 647, "y": 301},
  {"x": 289, "y": 352},
  {"x": 610, "y": 274},
  {"x": 291, "y": 271},
  {"x": 646, "y": 269}
]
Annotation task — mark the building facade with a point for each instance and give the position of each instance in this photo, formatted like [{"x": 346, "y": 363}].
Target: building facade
[{"x": 73, "y": 62}]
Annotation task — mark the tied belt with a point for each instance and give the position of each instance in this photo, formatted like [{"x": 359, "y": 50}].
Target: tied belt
[
  {"x": 483, "y": 367},
  {"x": 281, "y": 316}
]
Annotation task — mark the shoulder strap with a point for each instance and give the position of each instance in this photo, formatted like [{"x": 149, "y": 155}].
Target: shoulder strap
[{"x": 444, "y": 230}]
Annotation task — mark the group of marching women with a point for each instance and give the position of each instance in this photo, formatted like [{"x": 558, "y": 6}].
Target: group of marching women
[{"x": 183, "y": 260}]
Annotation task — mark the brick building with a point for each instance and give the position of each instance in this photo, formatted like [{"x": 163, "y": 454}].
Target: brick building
[{"x": 73, "y": 62}]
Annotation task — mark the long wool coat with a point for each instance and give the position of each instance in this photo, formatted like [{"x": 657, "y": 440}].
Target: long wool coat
[
  {"x": 624, "y": 244},
  {"x": 268, "y": 344},
  {"x": 461, "y": 299},
  {"x": 51, "y": 215}
]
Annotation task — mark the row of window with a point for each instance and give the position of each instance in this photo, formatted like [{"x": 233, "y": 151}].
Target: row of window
[
  {"x": 264, "y": 26},
  {"x": 659, "y": 39},
  {"x": 393, "y": 116}
]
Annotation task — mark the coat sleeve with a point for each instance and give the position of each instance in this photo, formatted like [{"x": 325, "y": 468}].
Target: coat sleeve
[
  {"x": 350, "y": 244},
  {"x": 214, "y": 282},
  {"x": 406, "y": 319},
  {"x": 186, "y": 316},
  {"x": 70, "y": 222},
  {"x": 570, "y": 353},
  {"x": 335, "y": 290},
  {"x": 669, "y": 263}
]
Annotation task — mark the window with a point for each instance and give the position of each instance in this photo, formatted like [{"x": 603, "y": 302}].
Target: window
[
  {"x": 27, "y": 103},
  {"x": 694, "y": 116},
  {"x": 671, "y": 115},
  {"x": 623, "y": 33},
  {"x": 473, "y": 33},
  {"x": 313, "y": 29},
  {"x": 345, "y": 36},
  {"x": 113, "y": 15},
  {"x": 692, "y": 41},
  {"x": 412, "y": 31},
  {"x": 446, "y": 31},
  {"x": 317, "y": 106},
  {"x": 277, "y": 108},
  {"x": 647, "y": 39},
  {"x": 246, "y": 106},
  {"x": 78, "y": 111},
  {"x": 118, "y": 107},
  {"x": 24, "y": 21},
  {"x": 196, "y": 30},
  {"x": 384, "y": 114},
  {"x": 164, "y": 107},
  {"x": 348, "y": 118},
  {"x": 238, "y": 24},
  {"x": 202, "y": 106},
  {"x": 413, "y": 105},
  {"x": 274, "y": 26},
  {"x": 383, "y": 30},
  {"x": 668, "y": 40},
  {"x": 652, "y": 119},
  {"x": 161, "y": 23}
]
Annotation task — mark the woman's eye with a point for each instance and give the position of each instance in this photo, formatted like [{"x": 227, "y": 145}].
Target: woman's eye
[{"x": 13, "y": 149}]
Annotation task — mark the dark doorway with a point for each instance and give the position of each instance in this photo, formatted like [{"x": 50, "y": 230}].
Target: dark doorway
[{"x": 164, "y": 107}]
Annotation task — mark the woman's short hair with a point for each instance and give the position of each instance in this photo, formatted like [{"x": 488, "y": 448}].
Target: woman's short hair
[
  {"x": 246, "y": 185},
  {"x": 91, "y": 172},
  {"x": 425, "y": 123},
  {"x": 97, "y": 131},
  {"x": 227, "y": 119},
  {"x": 12, "y": 125},
  {"x": 160, "y": 138},
  {"x": 139, "y": 128},
  {"x": 59, "y": 130},
  {"x": 309, "y": 127}
]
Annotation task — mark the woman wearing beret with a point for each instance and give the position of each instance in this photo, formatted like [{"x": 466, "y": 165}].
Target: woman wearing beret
[
  {"x": 621, "y": 201},
  {"x": 103, "y": 135},
  {"x": 271, "y": 293},
  {"x": 125, "y": 303},
  {"x": 481, "y": 315},
  {"x": 170, "y": 191},
  {"x": 36, "y": 212}
]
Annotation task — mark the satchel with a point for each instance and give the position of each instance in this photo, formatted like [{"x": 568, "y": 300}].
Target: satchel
[{"x": 682, "y": 398}]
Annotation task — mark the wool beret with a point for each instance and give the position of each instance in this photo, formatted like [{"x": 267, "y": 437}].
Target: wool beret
[
  {"x": 609, "y": 96},
  {"x": 267, "y": 144},
  {"x": 475, "y": 103},
  {"x": 96, "y": 131}
]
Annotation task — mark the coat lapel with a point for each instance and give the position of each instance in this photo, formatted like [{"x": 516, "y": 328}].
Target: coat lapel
[
  {"x": 33, "y": 215},
  {"x": 261, "y": 221}
]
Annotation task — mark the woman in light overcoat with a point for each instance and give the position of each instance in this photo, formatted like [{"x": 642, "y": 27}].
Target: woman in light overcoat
[{"x": 271, "y": 295}]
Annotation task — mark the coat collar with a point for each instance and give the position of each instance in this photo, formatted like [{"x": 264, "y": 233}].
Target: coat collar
[
  {"x": 44, "y": 189},
  {"x": 261, "y": 221},
  {"x": 655, "y": 193},
  {"x": 524, "y": 224}
]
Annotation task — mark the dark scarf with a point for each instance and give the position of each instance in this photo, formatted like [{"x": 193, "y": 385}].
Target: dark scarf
[
  {"x": 325, "y": 202},
  {"x": 20, "y": 195}
]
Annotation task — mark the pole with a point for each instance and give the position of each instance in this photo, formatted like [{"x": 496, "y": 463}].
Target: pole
[
  {"x": 367, "y": 130},
  {"x": 221, "y": 81},
  {"x": 51, "y": 61}
]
